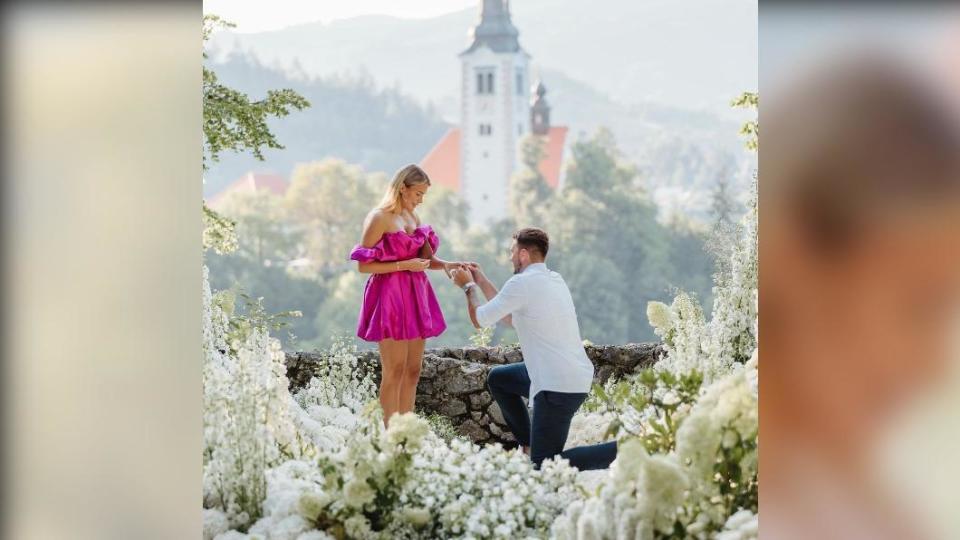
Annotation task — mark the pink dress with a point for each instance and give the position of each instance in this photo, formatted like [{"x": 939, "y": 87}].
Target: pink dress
[{"x": 399, "y": 305}]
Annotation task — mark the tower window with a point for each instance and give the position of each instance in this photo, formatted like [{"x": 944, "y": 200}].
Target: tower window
[
  {"x": 486, "y": 129},
  {"x": 519, "y": 129},
  {"x": 485, "y": 80},
  {"x": 519, "y": 89}
]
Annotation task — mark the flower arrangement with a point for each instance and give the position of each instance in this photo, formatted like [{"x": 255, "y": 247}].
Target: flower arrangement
[{"x": 318, "y": 465}]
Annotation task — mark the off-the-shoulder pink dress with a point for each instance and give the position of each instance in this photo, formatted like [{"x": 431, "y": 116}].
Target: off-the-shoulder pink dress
[{"x": 399, "y": 305}]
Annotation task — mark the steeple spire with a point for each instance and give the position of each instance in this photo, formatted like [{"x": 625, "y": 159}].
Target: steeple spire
[
  {"x": 495, "y": 29},
  {"x": 539, "y": 110}
]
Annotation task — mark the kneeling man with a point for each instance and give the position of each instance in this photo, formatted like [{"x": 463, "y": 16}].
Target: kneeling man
[{"x": 555, "y": 373}]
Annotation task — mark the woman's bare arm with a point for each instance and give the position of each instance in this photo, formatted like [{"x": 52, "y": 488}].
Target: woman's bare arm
[{"x": 373, "y": 228}]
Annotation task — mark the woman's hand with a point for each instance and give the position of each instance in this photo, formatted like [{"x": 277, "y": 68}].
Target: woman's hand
[
  {"x": 414, "y": 265},
  {"x": 449, "y": 267}
]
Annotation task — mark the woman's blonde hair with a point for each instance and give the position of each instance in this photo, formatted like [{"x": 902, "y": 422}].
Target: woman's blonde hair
[{"x": 409, "y": 176}]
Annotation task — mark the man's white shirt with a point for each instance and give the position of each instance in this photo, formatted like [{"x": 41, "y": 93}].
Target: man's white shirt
[{"x": 546, "y": 322}]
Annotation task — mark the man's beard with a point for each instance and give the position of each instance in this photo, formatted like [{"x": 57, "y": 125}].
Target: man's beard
[{"x": 516, "y": 269}]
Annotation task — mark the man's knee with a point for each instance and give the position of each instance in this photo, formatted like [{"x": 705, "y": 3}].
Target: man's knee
[{"x": 496, "y": 377}]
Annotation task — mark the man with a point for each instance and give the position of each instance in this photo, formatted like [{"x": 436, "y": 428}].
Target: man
[{"x": 556, "y": 374}]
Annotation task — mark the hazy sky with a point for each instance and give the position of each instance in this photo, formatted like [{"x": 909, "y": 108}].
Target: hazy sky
[{"x": 260, "y": 15}]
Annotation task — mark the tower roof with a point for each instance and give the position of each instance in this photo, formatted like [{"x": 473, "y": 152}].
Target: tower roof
[
  {"x": 442, "y": 162},
  {"x": 539, "y": 93},
  {"x": 495, "y": 29}
]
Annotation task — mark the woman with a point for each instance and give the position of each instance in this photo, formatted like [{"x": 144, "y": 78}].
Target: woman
[{"x": 400, "y": 310}]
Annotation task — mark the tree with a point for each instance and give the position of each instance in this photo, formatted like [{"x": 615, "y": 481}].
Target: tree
[
  {"x": 602, "y": 214},
  {"x": 529, "y": 192},
  {"x": 264, "y": 235},
  {"x": 327, "y": 202},
  {"x": 722, "y": 205},
  {"x": 596, "y": 285},
  {"x": 445, "y": 210},
  {"x": 231, "y": 121}
]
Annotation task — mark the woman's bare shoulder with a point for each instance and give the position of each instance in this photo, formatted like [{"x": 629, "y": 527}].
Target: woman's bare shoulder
[{"x": 377, "y": 216}]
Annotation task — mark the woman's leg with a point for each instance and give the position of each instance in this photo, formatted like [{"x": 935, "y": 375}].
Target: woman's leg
[
  {"x": 393, "y": 356},
  {"x": 411, "y": 374}
]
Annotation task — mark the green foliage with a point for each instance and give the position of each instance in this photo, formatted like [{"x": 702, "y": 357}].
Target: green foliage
[
  {"x": 529, "y": 192},
  {"x": 378, "y": 129},
  {"x": 750, "y": 129},
  {"x": 657, "y": 398},
  {"x": 326, "y": 204},
  {"x": 219, "y": 232},
  {"x": 481, "y": 338},
  {"x": 608, "y": 240},
  {"x": 441, "y": 426},
  {"x": 264, "y": 235},
  {"x": 231, "y": 121},
  {"x": 248, "y": 316}
]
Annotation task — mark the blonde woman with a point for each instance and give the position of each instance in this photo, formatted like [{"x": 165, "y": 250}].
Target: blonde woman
[{"x": 400, "y": 310}]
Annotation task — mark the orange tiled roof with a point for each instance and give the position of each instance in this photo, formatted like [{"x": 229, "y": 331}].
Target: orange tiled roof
[
  {"x": 552, "y": 160},
  {"x": 442, "y": 162},
  {"x": 251, "y": 182}
]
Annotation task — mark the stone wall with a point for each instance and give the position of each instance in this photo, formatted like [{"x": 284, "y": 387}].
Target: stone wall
[{"x": 453, "y": 381}]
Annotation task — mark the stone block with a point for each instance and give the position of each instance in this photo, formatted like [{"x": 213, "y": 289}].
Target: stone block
[
  {"x": 473, "y": 431},
  {"x": 452, "y": 407}
]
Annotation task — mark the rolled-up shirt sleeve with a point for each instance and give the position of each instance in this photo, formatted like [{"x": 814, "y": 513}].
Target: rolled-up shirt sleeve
[{"x": 510, "y": 298}]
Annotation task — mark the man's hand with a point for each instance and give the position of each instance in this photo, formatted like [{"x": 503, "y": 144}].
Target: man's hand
[
  {"x": 448, "y": 267},
  {"x": 477, "y": 273},
  {"x": 461, "y": 277}
]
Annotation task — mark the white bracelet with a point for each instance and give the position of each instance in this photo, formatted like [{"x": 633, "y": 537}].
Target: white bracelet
[{"x": 466, "y": 287}]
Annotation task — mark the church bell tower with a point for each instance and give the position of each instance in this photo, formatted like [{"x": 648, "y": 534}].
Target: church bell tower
[{"x": 495, "y": 111}]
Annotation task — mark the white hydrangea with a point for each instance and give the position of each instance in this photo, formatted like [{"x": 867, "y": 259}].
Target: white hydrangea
[
  {"x": 338, "y": 385},
  {"x": 661, "y": 319},
  {"x": 641, "y": 497},
  {"x": 215, "y": 522},
  {"x": 732, "y": 332},
  {"x": 730, "y": 335},
  {"x": 726, "y": 413},
  {"x": 588, "y": 428},
  {"x": 248, "y": 425},
  {"x": 743, "y": 525}
]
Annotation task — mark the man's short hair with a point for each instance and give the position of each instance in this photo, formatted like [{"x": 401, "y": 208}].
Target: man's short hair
[{"x": 533, "y": 239}]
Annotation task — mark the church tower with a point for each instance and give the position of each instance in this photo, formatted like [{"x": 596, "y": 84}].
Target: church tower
[{"x": 495, "y": 111}]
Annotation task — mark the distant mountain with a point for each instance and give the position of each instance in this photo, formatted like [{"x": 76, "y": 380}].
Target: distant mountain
[
  {"x": 380, "y": 129},
  {"x": 659, "y": 73},
  {"x": 694, "y": 54}
]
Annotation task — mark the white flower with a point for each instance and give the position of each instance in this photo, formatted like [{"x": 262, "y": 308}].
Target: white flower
[
  {"x": 357, "y": 493},
  {"x": 311, "y": 504},
  {"x": 407, "y": 429},
  {"x": 357, "y": 527},
  {"x": 660, "y": 318},
  {"x": 314, "y": 535},
  {"x": 742, "y": 525},
  {"x": 215, "y": 522},
  {"x": 232, "y": 535},
  {"x": 417, "y": 516}
]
